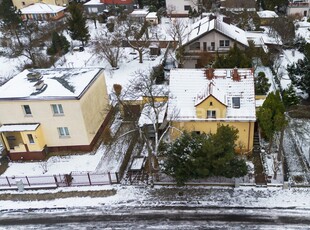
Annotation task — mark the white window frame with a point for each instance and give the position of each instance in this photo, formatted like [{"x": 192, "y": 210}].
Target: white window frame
[
  {"x": 30, "y": 138},
  {"x": 234, "y": 105},
  {"x": 63, "y": 132},
  {"x": 57, "y": 110},
  {"x": 211, "y": 114},
  {"x": 25, "y": 110}
]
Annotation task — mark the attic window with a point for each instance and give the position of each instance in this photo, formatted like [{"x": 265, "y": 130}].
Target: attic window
[
  {"x": 236, "y": 102},
  {"x": 211, "y": 103}
]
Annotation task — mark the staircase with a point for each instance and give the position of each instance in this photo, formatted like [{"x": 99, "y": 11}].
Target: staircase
[{"x": 260, "y": 178}]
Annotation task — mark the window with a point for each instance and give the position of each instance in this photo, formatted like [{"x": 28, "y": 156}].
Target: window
[
  {"x": 63, "y": 132},
  {"x": 30, "y": 138},
  {"x": 23, "y": 3},
  {"x": 27, "y": 110},
  {"x": 236, "y": 102},
  {"x": 211, "y": 114},
  {"x": 187, "y": 7},
  {"x": 57, "y": 109},
  {"x": 204, "y": 46},
  {"x": 224, "y": 43},
  {"x": 211, "y": 103},
  {"x": 195, "y": 46}
]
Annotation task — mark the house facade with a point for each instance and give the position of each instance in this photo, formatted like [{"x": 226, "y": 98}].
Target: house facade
[
  {"x": 207, "y": 98},
  {"x": 45, "y": 110},
  {"x": 24, "y": 3},
  {"x": 300, "y": 8},
  {"x": 239, "y": 5},
  {"x": 42, "y": 12},
  {"x": 213, "y": 35},
  {"x": 126, "y": 4},
  {"x": 180, "y": 7}
]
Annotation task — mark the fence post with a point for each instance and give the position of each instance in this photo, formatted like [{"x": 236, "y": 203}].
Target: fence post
[
  {"x": 117, "y": 179},
  {"x": 89, "y": 178},
  {"x": 8, "y": 181},
  {"x": 109, "y": 175},
  {"x": 56, "y": 182},
  {"x": 27, "y": 181}
]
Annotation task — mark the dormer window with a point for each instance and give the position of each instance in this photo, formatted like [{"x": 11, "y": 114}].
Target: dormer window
[{"x": 236, "y": 102}]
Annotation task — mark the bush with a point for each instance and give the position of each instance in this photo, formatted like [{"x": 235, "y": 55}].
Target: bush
[{"x": 107, "y": 137}]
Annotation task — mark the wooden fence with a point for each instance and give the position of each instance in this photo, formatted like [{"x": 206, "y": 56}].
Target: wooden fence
[{"x": 61, "y": 180}]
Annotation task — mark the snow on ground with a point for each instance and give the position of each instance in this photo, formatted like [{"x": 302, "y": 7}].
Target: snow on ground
[{"x": 130, "y": 196}]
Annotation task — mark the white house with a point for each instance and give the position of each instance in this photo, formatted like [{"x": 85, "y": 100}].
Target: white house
[{"x": 180, "y": 7}]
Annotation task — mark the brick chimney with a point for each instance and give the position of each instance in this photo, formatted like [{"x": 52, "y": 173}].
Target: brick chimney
[
  {"x": 236, "y": 76},
  {"x": 209, "y": 73}
]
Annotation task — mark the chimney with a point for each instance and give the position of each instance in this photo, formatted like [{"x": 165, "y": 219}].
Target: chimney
[
  {"x": 39, "y": 85},
  {"x": 236, "y": 76},
  {"x": 226, "y": 20},
  {"x": 209, "y": 73}
]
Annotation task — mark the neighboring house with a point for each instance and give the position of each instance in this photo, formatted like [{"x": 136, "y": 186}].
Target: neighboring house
[
  {"x": 46, "y": 110},
  {"x": 42, "y": 12},
  {"x": 138, "y": 15},
  {"x": 300, "y": 8},
  {"x": 206, "y": 98},
  {"x": 94, "y": 7},
  {"x": 264, "y": 40},
  {"x": 238, "y": 5},
  {"x": 212, "y": 35},
  {"x": 152, "y": 18},
  {"x": 24, "y": 3},
  {"x": 266, "y": 17},
  {"x": 128, "y": 5},
  {"x": 180, "y": 7}
]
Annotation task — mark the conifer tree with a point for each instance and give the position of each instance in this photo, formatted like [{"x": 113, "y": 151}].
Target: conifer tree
[
  {"x": 289, "y": 96},
  {"x": 11, "y": 17},
  {"x": 59, "y": 44},
  {"x": 261, "y": 84},
  {"x": 77, "y": 24}
]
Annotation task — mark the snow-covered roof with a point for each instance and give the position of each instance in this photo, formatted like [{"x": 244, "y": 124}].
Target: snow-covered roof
[
  {"x": 186, "y": 86},
  {"x": 151, "y": 15},
  {"x": 93, "y": 2},
  {"x": 42, "y": 8},
  {"x": 139, "y": 13},
  {"x": 205, "y": 25},
  {"x": 148, "y": 116},
  {"x": 58, "y": 82},
  {"x": 267, "y": 14},
  {"x": 18, "y": 127}
]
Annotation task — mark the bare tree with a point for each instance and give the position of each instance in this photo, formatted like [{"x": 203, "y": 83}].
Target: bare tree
[
  {"x": 29, "y": 45},
  {"x": 109, "y": 46},
  {"x": 177, "y": 31},
  {"x": 138, "y": 37},
  {"x": 152, "y": 123},
  {"x": 275, "y": 166}
]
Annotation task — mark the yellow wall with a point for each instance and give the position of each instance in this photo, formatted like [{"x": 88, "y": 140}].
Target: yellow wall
[
  {"x": 201, "y": 109},
  {"x": 95, "y": 106},
  {"x": 246, "y": 130},
  {"x": 82, "y": 117},
  {"x": 39, "y": 140}
]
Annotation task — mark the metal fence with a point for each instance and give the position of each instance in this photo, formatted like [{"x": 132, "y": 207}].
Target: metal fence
[{"x": 61, "y": 180}]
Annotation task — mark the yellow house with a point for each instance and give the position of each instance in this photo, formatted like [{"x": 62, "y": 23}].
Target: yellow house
[
  {"x": 52, "y": 110},
  {"x": 202, "y": 99},
  {"x": 24, "y": 3}
]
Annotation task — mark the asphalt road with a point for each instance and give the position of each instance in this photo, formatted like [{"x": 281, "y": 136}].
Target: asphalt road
[{"x": 158, "y": 218}]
